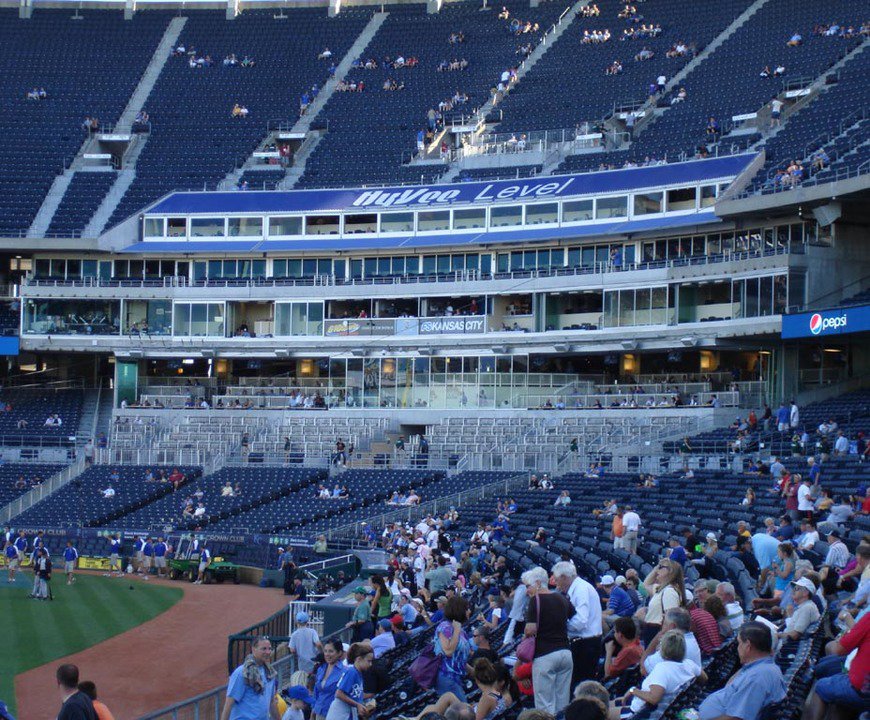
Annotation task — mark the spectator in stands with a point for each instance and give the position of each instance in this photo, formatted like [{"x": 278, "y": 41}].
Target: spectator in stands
[
  {"x": 304, "y": 643},
  {"x": 361, "y": 623},
  {"x": 803, "y": 613},
  {"x": 348, "y": 702},
  {"x": 108, "y": 492},
  {"x": 726, "y": 593},
  {"x": 585, "y": 626},
  {"x": 667, "y": 676},
  {"x": 100, "y": 709},
  {"x": 680, "y": 96},
  {"x": 795, "y": 40},
  {"x": 564, "y": 499},
  {"x": 547, "y": 620},
  {"x": 75, "y": 704},
  {"x": 624, "y": 650},
  {"x": 455, "y": 648},
  {"x": 493, "y": 682},
  {"x": 252, "y": 686},
  {"x": 756, "y": 685},
  {"x": 384, "y": 639},
  {"x": 327, "y": 676},
  {"x": 841, "y": 445},
  {"x": 619, "y": 602},
  {"x": 631, "y": 526},
  {"x": 667, "y": 590}
]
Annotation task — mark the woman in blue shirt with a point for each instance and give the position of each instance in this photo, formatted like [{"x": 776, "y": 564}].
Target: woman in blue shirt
[
  {"x": 327, "y": 676},
  {"x": 454, "y": 648},
  {"x": 348, "y": 703}
]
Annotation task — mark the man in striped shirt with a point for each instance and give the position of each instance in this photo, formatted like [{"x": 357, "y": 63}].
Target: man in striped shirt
[{"x": 836, "y": 559}]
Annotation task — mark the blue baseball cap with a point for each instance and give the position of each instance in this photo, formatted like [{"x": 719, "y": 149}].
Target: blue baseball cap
[
  {"x": 300, "y": 692},
  {"x": 302, "y": 617},
  {"x": 386, "y": 624}
]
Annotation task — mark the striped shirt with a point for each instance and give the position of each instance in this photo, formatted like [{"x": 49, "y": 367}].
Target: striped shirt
[
  {"x": 705, "y": 629},
  {"x": 838, "y": 555}
]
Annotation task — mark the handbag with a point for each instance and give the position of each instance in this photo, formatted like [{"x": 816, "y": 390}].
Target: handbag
[
  {"x": 526, "y": 648},
  {"x": 425, "y": 668}
]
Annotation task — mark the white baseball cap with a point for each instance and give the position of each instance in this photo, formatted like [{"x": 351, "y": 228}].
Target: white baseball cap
[
  {"x": 607, "y": 580},
  {"x": 806, "y": 584}
]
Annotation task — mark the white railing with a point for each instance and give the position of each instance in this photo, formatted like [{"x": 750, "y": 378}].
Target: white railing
[{"x": 43, "y": 490}]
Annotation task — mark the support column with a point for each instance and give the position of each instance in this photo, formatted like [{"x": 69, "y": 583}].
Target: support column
[
  {"x": 129, "y": 9},
  {"x": 433, "y": 7},
  {"x": 232, "y": 9},
  {"x": 25, "y": 9},
  {"x": 126, "y": 380},
  {"x": 334, "y": 7}
]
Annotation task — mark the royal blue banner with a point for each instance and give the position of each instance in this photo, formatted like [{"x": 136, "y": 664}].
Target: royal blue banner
[
  {"x": 444, "y": 196},
  {"x": 827, "y": 323}
]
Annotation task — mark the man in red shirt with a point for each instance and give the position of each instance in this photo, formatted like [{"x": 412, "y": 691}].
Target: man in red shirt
[
  {"x": 845, "y": 690},
  {"x": 704, "y": 625},
  {"x": 625, "y": 645}
]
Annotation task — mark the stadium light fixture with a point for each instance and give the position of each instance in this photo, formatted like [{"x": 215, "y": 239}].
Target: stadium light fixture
[
  {"x": 282, "y": 353},
  {"x": 689, "y": 341},
  {"x": 628, "y": 344}
]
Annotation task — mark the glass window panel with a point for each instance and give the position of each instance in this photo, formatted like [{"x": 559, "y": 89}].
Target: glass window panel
[
  {"x": 245, "y": 227},
  {"x": 612, "y": 207},
  {"x": 154, "y": 227},
  {"x": 504, "y": 216},
  {"x": 73, "y": 268},
  {"x": 152, "y": 268},
  {"x": 324, "y": 266},
  {"x": 648, "y": 203},
  {"x": 471, "y": 218},
  {"x": 89, "y": 268},
  {"x": 431, "y": 220},
  {"x": 681, "y": 199},
  {"x": 626, "y": 307},
  {"x": 574, "y": 257},
  {"x": 502, "y": 262},
  {"x": 397, "y": 222},
  {"x": 540, "y": 214},
  {"x": 577, "y": 210},
  {"x": 486, "y": 263},
  {"x": 708, "y": 195},
  {"x": 206, "y": 227},
  {"x": 72, "y": 317},
  {"x": 370, "y": 266},
  {"x": 181, "y": 321},
  {"x": 356, "y": 269},
  {"x": 137, "y": 268},
  {"x": 443, "y": 263},
  {"x": 321, "y": 225},
  {"x": 177, "y": 227},
  {"x": 215, "y": 268},
  {"x": 516, "y": 260},
  {"x": 429, "y": 265},
  {"x": 383, "y": 266},
  {"x": 258, "y": 268},
  {"x": 339, "y": 268},
  {"x": 294, "y": 268},
  {"x": 359, "y": 224},
  {"x": 285, "y": 226},
  {"x": 309, "y": 267}
]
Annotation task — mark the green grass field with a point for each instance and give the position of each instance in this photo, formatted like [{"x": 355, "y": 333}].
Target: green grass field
[{"x": 92, "y": 610}]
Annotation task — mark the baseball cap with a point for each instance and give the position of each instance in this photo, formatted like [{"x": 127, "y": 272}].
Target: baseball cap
[
  {"x": 397, "y": 621},
  {"x": 359, "y": 590},
  {"x": 405, "y": 592},
  {"x": 302, "y": 617},
  {"x": 385, "y": 624},
  {"x": 300, "y": 692},
  {"x": 806, "y": 584},
  {"x": 710, "y": 536},
  {"x": 607, "y": 580},
  {"x": 835, "y": 533},
  {"x": 441, "y": 599},
  {"x": 711, "y": 585},
  {"x": 620, "y": 580}
]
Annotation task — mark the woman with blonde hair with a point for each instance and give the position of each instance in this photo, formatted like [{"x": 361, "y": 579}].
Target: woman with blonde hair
[{"x": 667, "y": 590}]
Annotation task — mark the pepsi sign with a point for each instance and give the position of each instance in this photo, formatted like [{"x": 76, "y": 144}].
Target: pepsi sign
[{"x": 827, "y": 322}]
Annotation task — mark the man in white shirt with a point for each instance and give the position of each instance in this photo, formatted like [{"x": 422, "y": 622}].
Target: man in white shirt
[
  {"x": 809, "y": 537},
  {"x": 841, "y": 446},
  {"x": 674, "y": 619},
  {"x": 109, "y": 492},
  {"x": 794, "y": 416},
  {"x": 728, "y": 596},
  {"x": 584, "y": 628},
  {"x": 631, "y": 525},
  {"x": 806, "y": 501}
]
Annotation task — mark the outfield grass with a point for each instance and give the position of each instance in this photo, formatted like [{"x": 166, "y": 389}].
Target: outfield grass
[{"x": 92, "y": 610}]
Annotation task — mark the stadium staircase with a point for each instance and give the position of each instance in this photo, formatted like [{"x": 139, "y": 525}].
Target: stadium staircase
[
  {"x": 564, "y": 22},
  {"x": 303, "y": 124},
  {"x": 125, "y": 177},
  {"x": 79, "y": 167}
]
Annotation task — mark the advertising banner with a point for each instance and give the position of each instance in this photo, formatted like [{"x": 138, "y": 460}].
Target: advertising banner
[
  {"x": 826, "y": 323},
  {"x": 358, "y": 327}
]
